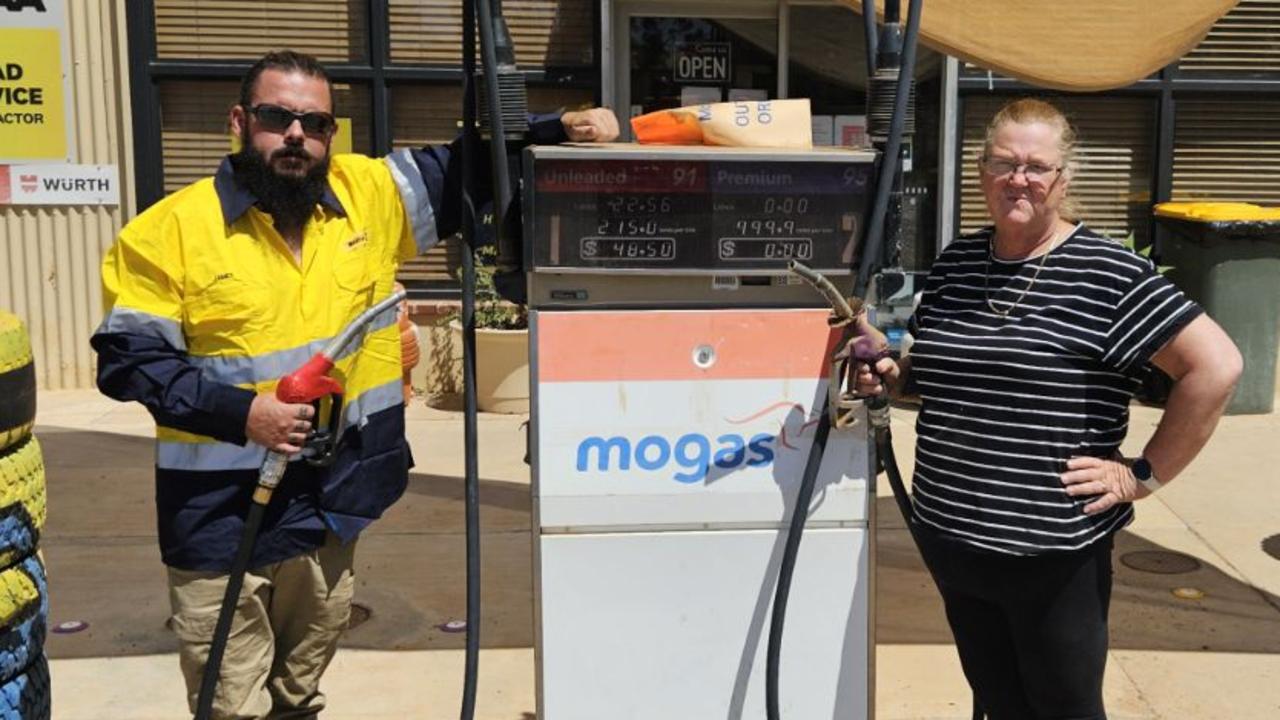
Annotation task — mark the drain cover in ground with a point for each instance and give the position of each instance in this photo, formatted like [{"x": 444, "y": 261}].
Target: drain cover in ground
[
  {"x": 1271, "y": 546},
  {"x": 359, "y": 615},
  {"x": 1163, "y": 562}
]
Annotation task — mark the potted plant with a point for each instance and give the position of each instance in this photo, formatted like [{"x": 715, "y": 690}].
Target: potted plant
[{"x": 502, "y": 344}]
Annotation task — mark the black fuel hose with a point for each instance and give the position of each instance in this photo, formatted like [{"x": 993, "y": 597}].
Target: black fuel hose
[
  {"x": 471, "y": 482},
  {"x": 873, "y": 244},
  {"x": 869, "y": 261},
  {"x": 488, "y": 14},
  {"x": 230, "y": 598},
  {"x": 795, "y": 531},
  {"x": 885, "y": 450}
]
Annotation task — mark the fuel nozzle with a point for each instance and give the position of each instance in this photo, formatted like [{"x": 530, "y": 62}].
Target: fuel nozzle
[{"x": 860, "y": 341}]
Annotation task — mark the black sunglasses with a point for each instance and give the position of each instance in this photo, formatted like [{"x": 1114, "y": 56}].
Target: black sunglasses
[{"x": 274, "y": 118}]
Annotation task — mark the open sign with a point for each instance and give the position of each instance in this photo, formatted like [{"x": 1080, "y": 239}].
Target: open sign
[{"x": 702, "y": 62}]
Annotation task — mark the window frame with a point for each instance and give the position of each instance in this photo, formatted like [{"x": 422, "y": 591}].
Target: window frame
[
  {"x": 1166, "y": 86},
  {"x": 147, "y": 71}
]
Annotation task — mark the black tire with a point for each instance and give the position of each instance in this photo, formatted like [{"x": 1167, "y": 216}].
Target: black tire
[
  {"x": 27, "y": 696},
  {"x": 24, "y": 614},
  {"x": 17, "y": 382},
  {"x": 22, "y": 501}
]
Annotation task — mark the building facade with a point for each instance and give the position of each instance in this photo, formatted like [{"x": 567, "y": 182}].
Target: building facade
[{"x": 152, "y": 81}]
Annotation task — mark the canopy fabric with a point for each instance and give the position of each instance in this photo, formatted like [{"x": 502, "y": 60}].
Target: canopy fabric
[{"x": 1074, "y": 45}]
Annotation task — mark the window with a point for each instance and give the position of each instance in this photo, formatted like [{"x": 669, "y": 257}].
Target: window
[
  {"x": 195, "y": 135},
  {"x": 546, "y": 33},
  {"x": 395, "y": 64},
  {"x": 1228, "y": 150},
  {"x": 1114, "y": 151},
  {"x": 736, "y": 58},
  {"x": 431, "y": 115},
  {"x": 1245, "y": 41},
  {"x": 332, "y": 30}
]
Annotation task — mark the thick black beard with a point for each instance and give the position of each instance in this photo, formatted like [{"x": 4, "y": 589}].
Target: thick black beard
[{"x": 289, "y": 200}]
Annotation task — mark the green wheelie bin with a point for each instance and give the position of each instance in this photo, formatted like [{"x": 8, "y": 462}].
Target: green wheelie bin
[{"x": 1226, "y": 256}]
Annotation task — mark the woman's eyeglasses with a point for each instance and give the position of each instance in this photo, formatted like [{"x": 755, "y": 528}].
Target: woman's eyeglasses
[
  {"x": 1033, "y": 172},
  {"x": 274, "y": 118}
]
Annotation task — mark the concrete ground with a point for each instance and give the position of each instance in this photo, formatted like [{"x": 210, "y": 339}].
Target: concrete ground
[{"x": 1215, "y": 655}]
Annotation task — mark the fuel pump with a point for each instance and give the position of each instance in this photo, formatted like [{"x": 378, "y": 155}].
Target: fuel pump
[
  {"x": 639, "y": 263},
  {"x": 677, "y": 371}
]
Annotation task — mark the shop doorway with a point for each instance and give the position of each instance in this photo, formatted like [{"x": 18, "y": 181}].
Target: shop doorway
[{"x": 669, "y": 54}]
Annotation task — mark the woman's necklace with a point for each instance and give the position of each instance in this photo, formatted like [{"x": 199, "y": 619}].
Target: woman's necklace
[{"x": 986, "y": 275}]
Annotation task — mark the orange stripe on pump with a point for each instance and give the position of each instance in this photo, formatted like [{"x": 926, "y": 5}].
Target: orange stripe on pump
[{"x": 664, "y": 345}]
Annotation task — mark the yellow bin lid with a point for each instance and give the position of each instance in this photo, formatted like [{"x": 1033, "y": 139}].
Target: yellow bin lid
[{"x": 1217, "y": 211}]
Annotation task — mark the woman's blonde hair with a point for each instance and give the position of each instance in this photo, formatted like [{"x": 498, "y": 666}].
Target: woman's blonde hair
[{"x": 1025, "y": 111}]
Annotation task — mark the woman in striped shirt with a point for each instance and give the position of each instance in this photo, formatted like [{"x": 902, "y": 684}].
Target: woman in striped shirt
[{"x": 1030, "y": 340}]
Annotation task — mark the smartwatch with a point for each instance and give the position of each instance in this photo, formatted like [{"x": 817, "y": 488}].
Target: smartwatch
[{"x": 1144, "y": 474}]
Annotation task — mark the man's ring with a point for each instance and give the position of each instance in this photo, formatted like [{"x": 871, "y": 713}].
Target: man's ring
[
  {"x": 300, "y": 427},
  {"x": 302, "y": 413}
]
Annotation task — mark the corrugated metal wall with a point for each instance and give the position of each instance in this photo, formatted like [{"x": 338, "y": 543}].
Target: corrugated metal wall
[{"x": 49, "y": 256}]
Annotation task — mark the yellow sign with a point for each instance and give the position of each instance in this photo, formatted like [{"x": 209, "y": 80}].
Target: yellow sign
[
  {"x": 33, "y": 121},
  {"x": 340, "y": 145}
]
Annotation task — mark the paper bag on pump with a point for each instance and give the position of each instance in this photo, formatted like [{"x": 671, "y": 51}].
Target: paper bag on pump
[{"x": 754, "y": 123}]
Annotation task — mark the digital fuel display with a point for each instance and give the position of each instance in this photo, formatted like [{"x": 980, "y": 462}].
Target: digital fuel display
[
  {"x": 662, "y": 211},
  {"x": 628, "y": 248},
  {"x": 766, "y": 249}
]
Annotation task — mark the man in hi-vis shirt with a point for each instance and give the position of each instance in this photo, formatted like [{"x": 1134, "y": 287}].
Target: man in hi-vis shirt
[{"x": 219, "y": 290}]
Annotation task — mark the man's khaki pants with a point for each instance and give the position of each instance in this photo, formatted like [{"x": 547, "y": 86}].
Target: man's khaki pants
[{"x": 284, "y": 633}]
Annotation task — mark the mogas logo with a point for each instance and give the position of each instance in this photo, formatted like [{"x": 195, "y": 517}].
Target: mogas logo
[{"x": 695, "y": 454}]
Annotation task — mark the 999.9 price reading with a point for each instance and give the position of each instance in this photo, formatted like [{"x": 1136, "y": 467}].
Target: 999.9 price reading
[{"x": 764, "y": 227}]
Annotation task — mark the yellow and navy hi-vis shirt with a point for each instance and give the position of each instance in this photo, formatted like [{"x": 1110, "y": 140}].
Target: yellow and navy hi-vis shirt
[{"x": 207, "y": 307}]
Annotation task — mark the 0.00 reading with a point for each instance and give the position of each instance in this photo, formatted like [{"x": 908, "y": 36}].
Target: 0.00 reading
[
  {"x": 786, "y": 205},
  {"x": 744, "y": 248}
]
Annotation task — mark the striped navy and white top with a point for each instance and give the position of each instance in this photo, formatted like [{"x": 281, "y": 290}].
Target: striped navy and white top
[{"x": 1007, "y": 400}]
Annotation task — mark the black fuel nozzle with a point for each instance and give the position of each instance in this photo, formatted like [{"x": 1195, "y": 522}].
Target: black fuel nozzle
[
  {"x": 860, "y": 341},
  {"x": 321, "y": 447}
]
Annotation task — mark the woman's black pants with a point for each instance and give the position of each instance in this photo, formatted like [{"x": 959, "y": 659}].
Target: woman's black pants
[{"x": 1031, "y": 631}]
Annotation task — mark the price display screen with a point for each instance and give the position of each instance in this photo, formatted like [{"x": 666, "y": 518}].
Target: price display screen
[{"x": 700, "y": 215}]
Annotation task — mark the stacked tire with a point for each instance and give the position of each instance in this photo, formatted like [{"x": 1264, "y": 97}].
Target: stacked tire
[{"x": 24, "y": 598}]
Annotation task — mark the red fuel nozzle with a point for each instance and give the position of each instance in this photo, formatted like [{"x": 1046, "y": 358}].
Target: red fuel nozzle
[{"x": 309, "y": 383}]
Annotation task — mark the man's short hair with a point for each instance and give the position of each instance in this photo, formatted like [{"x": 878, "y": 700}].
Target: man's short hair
[{"x": 285, "y": 61}]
